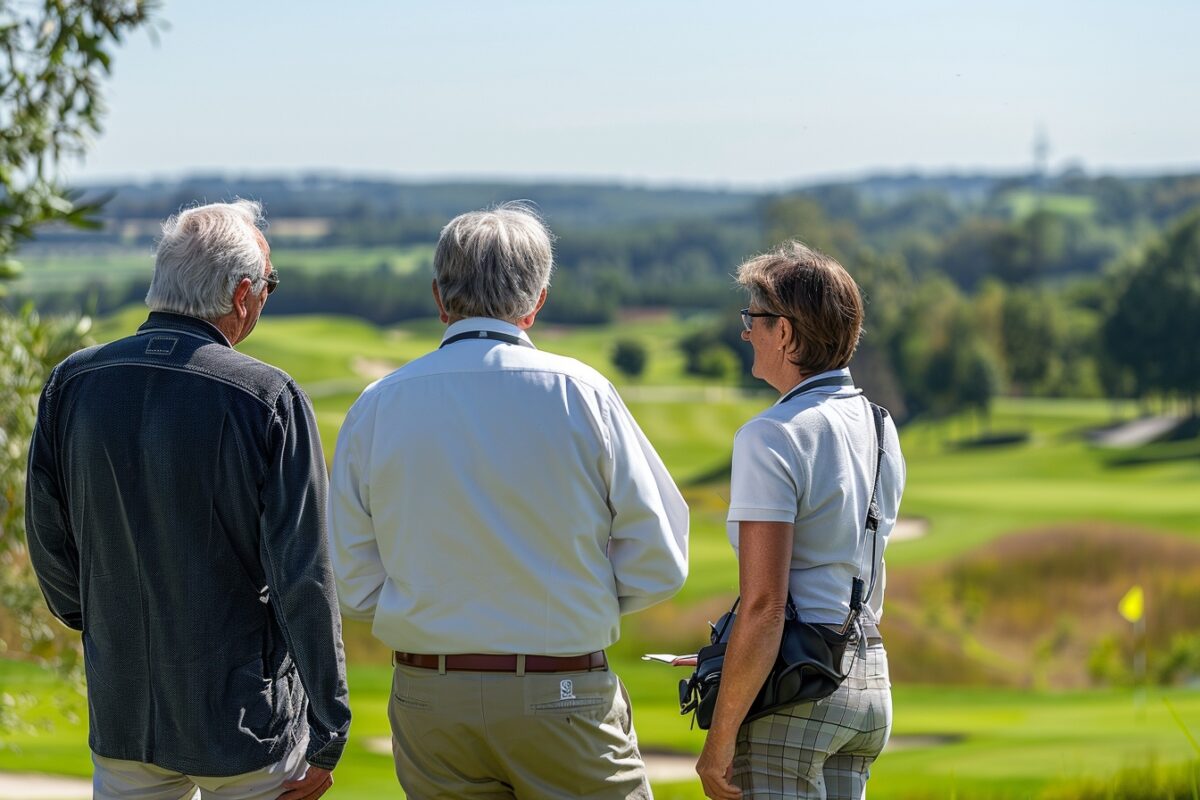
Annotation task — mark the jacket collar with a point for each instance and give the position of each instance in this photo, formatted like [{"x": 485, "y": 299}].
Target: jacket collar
[{"x": 182, "y": 323}]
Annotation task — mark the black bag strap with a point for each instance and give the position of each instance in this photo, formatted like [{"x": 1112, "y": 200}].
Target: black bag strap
[
  {"x": 871, "y": 524},
  {"x": 833, "y": 380}
]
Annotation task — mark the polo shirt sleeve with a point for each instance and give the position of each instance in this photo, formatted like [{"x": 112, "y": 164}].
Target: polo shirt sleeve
[{"x": 764, "y": 486}]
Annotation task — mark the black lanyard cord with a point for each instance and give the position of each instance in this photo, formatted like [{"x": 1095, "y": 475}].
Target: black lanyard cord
[{"x": 507, "y": 338}]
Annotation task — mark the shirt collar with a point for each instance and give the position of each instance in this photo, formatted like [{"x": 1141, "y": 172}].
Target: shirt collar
[
  {"x": 472, "y": 324},
  {"x": 182, "y": 323},
  {"x": 844, "y": 372}
]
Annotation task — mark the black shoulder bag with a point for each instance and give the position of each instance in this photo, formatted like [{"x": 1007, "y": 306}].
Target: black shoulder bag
[{"x": 808, "y": 666}]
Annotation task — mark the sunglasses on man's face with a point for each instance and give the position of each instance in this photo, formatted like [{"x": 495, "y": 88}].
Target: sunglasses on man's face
[{"x": 272, "y": 281}]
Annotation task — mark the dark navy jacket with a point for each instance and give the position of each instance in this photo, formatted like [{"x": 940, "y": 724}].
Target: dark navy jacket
[{"x": 176, "y": 516}]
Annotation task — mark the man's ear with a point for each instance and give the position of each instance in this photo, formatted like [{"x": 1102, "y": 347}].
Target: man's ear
[
  {"x": 527, "y": 321},
  {"x": 240, "y": 292},
  {"x": 437, "y": 298}
]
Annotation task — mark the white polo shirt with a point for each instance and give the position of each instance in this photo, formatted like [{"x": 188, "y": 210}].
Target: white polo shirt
[
  {"x": 809, "y": 461},
  {"x": 493, "y": 498}
]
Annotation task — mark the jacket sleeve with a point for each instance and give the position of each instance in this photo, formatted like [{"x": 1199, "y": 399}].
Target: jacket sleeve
[
  {"x": 296, "y": 561},
  {"x": 648, "y": 544},
  {"x": 52, "y": 547}
]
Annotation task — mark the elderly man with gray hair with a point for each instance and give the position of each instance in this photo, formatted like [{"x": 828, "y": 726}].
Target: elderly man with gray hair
[
  {"x": 494, "y": 510},
  {"x": 175, "y": 510}
]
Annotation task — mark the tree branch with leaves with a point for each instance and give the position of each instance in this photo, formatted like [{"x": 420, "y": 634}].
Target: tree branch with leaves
[{"x": 54, "y": 57}]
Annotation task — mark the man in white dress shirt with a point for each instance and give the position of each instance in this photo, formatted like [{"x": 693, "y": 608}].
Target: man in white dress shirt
[{"x": 494, "y": 510}]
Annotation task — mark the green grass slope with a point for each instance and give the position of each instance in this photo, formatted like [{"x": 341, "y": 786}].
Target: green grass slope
[{"x": 986, "y": 741}]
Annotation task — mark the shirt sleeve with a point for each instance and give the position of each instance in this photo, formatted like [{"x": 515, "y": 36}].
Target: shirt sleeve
[
  {"x": 763, "y": 484},
  {"x": 296, "y": 561},
  {"x": 52, "y": 547},
  {"x": 648, "y": 544},
  {"x": 357, "y": 564}
]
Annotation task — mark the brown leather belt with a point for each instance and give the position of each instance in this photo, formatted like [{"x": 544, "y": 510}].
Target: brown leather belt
[{"x": 500, "y": 662}]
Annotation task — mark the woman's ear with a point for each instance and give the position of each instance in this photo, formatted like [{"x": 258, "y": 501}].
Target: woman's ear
[{"x": 783, "y": 329}]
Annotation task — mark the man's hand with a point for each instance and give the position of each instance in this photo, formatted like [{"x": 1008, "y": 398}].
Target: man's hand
[
  {"x": 314, "y": 784},
  {"x": 715, "y": 769}
]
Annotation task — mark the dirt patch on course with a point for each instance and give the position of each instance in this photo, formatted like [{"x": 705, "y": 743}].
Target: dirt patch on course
[
  {"x": 372, "y": 368},
  {"x": 1135, "y": 433},
  {"x": 32, "y": 786}
]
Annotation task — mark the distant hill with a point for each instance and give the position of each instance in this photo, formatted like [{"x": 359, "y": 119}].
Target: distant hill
[{"x": 579, "y": 206}]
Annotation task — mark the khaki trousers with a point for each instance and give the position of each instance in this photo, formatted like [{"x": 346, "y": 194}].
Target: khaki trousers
[
  {"x": 115, "y": 778},
  {"x": 500, "y": 735}
]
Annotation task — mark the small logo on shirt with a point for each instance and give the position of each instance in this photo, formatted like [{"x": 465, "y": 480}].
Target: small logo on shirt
[{"x": 566, "y": 689}]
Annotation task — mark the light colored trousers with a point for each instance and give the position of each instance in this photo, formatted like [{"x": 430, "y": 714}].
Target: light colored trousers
[
  {"x": 498, "y": 735},
  {"x": 115, "y": 778},
  {"x": 821, "y": 750}
]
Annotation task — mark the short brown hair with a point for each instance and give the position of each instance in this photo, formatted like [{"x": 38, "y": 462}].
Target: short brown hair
[{"x": 816, "y": 293}]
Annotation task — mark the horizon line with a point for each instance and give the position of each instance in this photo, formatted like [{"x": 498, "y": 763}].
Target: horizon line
[{"x": 567, "y": 179}]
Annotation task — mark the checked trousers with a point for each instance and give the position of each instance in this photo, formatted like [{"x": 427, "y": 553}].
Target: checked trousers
[{"x": 822, "y": 749}]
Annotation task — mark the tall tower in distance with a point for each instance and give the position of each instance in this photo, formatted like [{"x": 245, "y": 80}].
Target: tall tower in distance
[{"x": 1041, "y": 157}]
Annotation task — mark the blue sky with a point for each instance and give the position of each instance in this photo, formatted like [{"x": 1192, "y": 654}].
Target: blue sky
[{"x": 726, "y": 94}]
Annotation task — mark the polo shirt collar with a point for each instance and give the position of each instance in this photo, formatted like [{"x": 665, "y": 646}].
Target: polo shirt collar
[
  {"x": 473, "y": 324},
  {"x": 844, "y": 372},
  {"x": 182, "y": 323}
]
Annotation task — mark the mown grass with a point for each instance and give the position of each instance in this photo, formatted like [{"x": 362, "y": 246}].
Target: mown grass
[
  {"x": 972, "y": 742},
  {"x": 1025, "y": 202},
  {"x": 334, "y": 358},
  {"x": 971, "y": 495},
  {"x": 1002, "y": 743}
]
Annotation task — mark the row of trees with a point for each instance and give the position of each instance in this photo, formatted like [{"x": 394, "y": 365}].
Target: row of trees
[
  {"x": 935, "y": 343},
  {"x": 932, "y": 347}
]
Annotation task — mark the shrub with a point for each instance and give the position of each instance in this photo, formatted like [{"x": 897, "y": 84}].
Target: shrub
[{"x": 630, "y": 357}]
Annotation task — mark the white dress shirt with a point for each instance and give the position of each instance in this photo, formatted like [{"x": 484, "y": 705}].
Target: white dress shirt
[
  {"x": 810, "y": 461},
  {"x": 490, "y": 497}
]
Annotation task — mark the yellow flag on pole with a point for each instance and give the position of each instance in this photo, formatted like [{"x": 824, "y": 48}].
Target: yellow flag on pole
[{"x": 1133, "y": 604}]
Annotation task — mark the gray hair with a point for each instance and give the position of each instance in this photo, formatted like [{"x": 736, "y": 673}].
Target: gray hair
[
  {"x": 203, "y": 254},
  {"x": 494, "y": 263}
]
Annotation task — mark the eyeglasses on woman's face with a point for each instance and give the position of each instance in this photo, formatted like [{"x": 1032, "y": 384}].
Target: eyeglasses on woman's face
[{"x": 748, "y": 317}]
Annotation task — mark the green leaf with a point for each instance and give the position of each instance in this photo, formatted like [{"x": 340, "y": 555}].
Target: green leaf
[{"x": 10, "y": 268}]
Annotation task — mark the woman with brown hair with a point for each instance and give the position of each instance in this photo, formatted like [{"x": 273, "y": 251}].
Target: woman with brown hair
[{"x": 804, "y": 472}]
